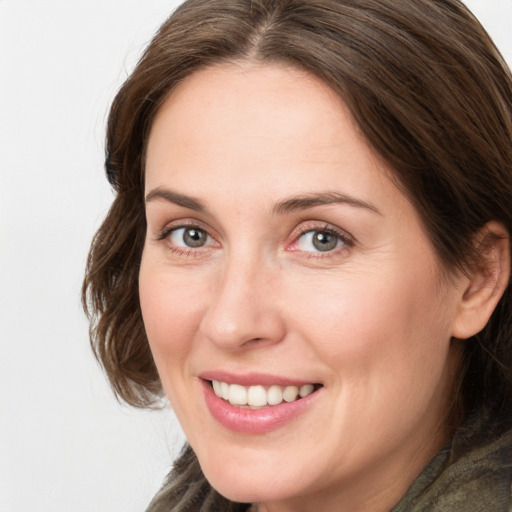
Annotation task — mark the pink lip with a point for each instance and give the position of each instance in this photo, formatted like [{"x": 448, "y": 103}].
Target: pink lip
[
  {"x": 252, "y": 379},
  {"x": 254, "y": 421}
]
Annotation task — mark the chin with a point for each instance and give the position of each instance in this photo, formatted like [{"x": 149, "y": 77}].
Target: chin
[
  {"x": 249, "y": 490},
  {"x": 250, "y": 481}
]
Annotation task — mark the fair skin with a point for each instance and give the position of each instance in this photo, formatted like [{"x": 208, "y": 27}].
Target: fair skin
[{"x": 279, "y": 248}]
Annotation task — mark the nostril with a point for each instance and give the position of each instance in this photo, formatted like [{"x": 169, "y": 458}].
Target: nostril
[{"x": 252, "y": 341}]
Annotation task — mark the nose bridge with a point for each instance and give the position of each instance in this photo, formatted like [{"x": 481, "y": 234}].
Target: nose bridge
[{"x": 241, "y": 306}]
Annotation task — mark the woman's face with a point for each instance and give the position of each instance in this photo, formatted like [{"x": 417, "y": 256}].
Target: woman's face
[{"x": 281, "y": 260}]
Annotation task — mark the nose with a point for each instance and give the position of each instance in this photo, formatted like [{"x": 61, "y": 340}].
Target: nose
[{"x": 242, "y": 308}]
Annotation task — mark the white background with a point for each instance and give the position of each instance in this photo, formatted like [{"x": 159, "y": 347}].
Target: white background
[{"x": 65, "y": 444}]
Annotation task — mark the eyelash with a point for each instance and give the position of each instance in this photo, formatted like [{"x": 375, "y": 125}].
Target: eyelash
[
  {"x": 346, "y": 240},
  {"x": 180, "y": 251}
]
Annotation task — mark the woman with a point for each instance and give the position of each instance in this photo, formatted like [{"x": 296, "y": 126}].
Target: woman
[{"x": 309, "y": 253}]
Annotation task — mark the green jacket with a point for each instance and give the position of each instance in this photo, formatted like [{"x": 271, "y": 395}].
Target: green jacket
[
  {"x": 455, "y": 480},
  {"x": 479, "y": 481}
]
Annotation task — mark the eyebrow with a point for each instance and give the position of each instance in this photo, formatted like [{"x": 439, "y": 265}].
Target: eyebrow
[
  {"x": 303, "y": 202},
  {"x": 176, "y": 198}
]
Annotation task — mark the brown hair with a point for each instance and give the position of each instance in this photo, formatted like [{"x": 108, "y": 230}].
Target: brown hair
[{"x": 429, "y": 91}]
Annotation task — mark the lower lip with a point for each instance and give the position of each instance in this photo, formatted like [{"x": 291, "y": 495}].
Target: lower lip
[{"x": 254, "y": 421}]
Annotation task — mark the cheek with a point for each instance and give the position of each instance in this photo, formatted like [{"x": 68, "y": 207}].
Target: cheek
[
  {"x": 380, "y": 326},
  {"x": 171, "y": 314},
  {"x": 386, "y": 342}
]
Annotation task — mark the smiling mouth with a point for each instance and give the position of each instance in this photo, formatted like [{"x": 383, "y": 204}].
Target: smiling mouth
[{"x": 261, "y": 396}]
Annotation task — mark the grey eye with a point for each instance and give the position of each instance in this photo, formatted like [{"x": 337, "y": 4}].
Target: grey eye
[
  {"x": 319, "y": 241},
  {"x": 189, "y": 237}
]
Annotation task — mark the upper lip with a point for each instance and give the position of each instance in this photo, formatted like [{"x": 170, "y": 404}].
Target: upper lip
[{"x": 253, "y": 379}]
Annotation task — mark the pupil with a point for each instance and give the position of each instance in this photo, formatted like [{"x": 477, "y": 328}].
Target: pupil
[
  {"x": 324, "y": 241},
  {"x": 194, "y": 237}
]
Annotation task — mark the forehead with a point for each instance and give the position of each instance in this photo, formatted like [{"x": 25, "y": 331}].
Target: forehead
[
  {"x": 257, "y": 102},
  {"x": 265, "y": 129}
]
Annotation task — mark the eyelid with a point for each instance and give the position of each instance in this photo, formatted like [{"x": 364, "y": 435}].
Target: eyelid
[
  {"x": 347, "y": 239},
  {"x": 164, "y": 234},
  {"x": 182, "y": 223},
  {"x": 305, "y": 227}
]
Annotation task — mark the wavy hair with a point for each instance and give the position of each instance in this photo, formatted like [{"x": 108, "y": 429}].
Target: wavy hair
[{"x": 429, "y": 91}]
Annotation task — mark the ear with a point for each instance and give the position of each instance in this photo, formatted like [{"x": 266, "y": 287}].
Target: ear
[{"x": 485, "y": 283}]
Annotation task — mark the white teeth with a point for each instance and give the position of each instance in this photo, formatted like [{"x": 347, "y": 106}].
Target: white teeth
[
  {"x": 259, "y": 396},
  {"x": 290, "y": 393},
  {"x": 224, "y": 391},
  {"x": 217, "y": 387},
  {"x": 274, "y": 395},
  {"x": 306, "y": 390},
  {"x": 237, "y": 395}
]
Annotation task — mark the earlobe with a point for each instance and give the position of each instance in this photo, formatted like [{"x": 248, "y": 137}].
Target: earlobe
[{"x": 486, "y": 283}]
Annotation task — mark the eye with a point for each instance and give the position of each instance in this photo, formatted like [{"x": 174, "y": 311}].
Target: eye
[
  {"x": 319, "y": 240},
  {"x": 189, "y": 236}
]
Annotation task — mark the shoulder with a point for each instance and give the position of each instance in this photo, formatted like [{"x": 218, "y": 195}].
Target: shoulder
[{"x": 478, "y": 481}]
